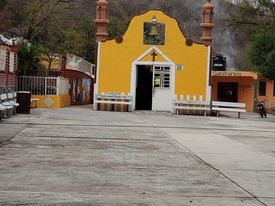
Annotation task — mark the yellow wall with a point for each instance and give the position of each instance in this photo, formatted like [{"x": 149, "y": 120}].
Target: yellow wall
[
  {"x": 59, "y": 101},
  {"x": 116, "y": 59}
]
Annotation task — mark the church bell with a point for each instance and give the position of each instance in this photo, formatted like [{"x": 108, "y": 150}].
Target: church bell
[{"x": 154, "y": 29}]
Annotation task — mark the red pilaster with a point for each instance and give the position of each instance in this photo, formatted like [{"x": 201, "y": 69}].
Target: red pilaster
[
  {"x": 102, "y": 20},
  {"x": 207, "y": 23}
]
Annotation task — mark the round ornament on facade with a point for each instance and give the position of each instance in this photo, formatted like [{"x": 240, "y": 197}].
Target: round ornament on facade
[
  {"x": 119, "y": 39},
  {"x": 189, "y": 42}
]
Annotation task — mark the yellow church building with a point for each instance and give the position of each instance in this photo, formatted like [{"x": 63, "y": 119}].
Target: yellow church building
[{"x": 153, "y": 62}]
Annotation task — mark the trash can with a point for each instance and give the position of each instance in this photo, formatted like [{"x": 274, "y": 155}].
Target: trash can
[{"x": 24, "y": 100}]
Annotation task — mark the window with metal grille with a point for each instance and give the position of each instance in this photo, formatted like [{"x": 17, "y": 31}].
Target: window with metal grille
[
  {"x": 262, "y": 88},
  {"x": 162, "y": 77}
]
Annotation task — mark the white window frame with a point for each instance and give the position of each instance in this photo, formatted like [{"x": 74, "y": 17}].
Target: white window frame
[{"x": 163, "y": 70}]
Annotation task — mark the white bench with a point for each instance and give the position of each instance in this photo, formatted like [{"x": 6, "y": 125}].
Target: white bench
[
  {"x": 3, "y": 111},
  {"x": 7, "y": 106},
  {"x": 112, "y": 100},
  {"x": 11, "y": 96},
  {"x": 189, "y": 105},
  {"x": 228, "y": 107}
]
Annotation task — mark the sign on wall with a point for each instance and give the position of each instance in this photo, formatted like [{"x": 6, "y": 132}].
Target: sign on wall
[
  {"x": 179, "y": 67},
  {"x": 227, "y": 73},
  {"x": 3, "y": 54}
]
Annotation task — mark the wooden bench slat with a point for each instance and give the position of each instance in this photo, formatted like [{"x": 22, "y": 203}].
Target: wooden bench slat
[
  {"x": 111, "y": 102},
  {"x": 228, "y": 109},
  {"x": 191, "y": 105},
  {"x": 190, "y": 102},
  {"x": 192, "y": 108},
  {"x": 228, "y": 104},
  {"x": 203, "y": 106}
]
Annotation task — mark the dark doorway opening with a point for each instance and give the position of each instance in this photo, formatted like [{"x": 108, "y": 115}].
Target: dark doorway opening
[
  {"x": 228, "y": 91},
  {"x": 144, "y": 87}
]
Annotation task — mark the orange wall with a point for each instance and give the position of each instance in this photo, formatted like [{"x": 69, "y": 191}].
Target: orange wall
[
  {"x": 269, "y": 98},
  {"x": 245, "y": 89}
]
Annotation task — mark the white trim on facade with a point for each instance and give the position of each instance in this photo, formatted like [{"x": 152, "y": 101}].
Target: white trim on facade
[
  {"x": 155, "y": 63},
  {"x": 97, "y": 74},
  {"x": 137, "y": 62},
  {"x": 150, "y": 50},
  {"x": 208, "y": 86}
]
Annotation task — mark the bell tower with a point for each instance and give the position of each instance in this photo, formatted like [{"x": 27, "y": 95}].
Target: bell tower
[
  {"x": 101, "y": 20},
  {"x": 207, "y": 23}
]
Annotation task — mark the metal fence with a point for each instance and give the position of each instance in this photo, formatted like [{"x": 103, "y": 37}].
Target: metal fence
[{"x": 37, "y": 85}]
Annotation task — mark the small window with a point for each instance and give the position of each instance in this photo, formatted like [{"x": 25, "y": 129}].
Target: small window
[
  {"x": 262, "y": 88},
  {"x": 274, "y": 88},
  {"x": 162, "y": 77}
]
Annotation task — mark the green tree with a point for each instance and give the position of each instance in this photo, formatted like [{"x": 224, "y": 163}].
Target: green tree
[
  {"x": 29, "y": 60},
  {"x": 254, "y": 23},
  {"x": 262, "y": 53},
  {"x": 88, "y": 28},
  {"x": 117, "y": 27},
  {"x": 55, "y": 31},
  {"x": 39, "y": 14},
  {"x": 249, "y": 17}
]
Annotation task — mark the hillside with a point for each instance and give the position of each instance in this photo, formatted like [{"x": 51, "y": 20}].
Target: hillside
[{"x": 67, "y": 25}]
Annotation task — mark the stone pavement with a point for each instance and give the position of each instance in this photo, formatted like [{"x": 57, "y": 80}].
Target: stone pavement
[{"x": 76, "y": 156}]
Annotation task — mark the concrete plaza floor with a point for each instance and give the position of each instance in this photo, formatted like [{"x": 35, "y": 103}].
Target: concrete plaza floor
[{"x": 76, "y": 156}]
